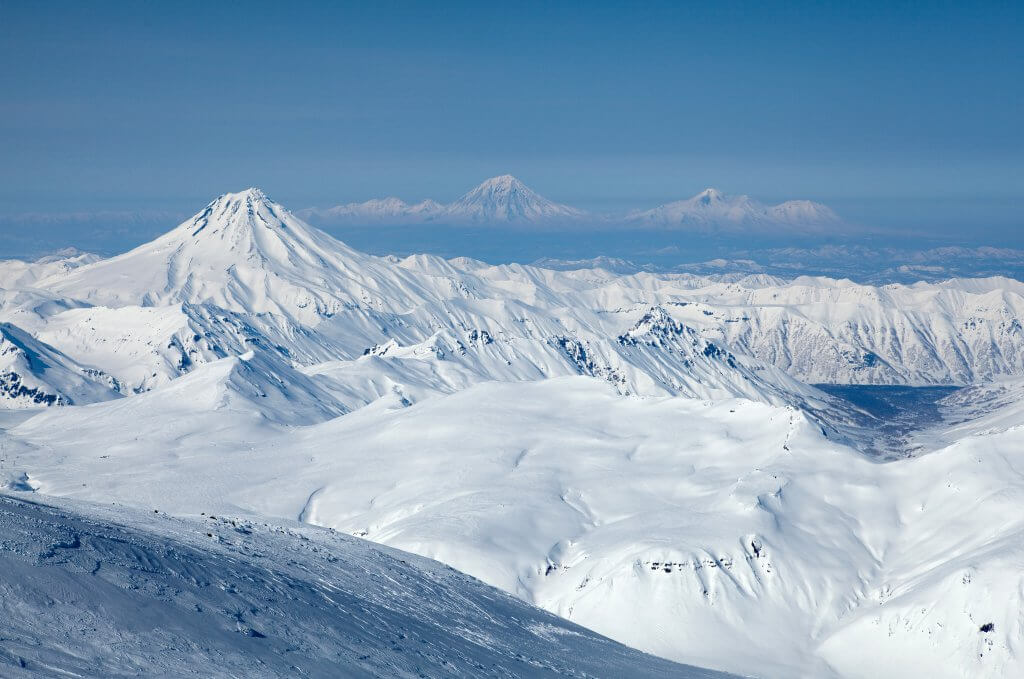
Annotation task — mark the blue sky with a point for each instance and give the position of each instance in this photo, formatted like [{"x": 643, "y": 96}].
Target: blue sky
[{"x": 898, "y": 114}]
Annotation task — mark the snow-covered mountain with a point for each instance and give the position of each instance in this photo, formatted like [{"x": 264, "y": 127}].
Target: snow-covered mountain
[
  {"x": 245, "y": 253},
  {"x": 498, "y": 200},
  {"x": 641, "y": 453},
  {"x": 246, "y": 274},
  {"x": 711, "y": 211},
  {"x": 819, "y": 330},
  {"x": 506, "y": 199}
]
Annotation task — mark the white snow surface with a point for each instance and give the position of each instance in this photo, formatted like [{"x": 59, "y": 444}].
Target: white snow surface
[
  {"x": 640, "y": 454},
  {"x": 15, "y": 273},
  {"x": 93, "y": 591},
  {"x": 34, "y": 374},
  {"x": 727, "y": 534}
]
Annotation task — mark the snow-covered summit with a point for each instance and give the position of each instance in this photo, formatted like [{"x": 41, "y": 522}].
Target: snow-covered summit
[
  {"x": 506, "y": 199},
  {"x": 237, "y": 219}
]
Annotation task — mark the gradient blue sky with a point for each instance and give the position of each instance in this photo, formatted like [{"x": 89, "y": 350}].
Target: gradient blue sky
[{"x": 897, "y": 114}]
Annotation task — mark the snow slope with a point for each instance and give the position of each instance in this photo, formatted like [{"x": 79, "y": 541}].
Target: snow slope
[
  {"x": 728, "y": 534},
  {"x": 34, "y": 374},
  {"x": 108, "y": 591},
  {"x": 15, "y": 273}
]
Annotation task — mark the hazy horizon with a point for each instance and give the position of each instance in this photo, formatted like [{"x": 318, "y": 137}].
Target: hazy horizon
[{"x": 899, "y": 116}]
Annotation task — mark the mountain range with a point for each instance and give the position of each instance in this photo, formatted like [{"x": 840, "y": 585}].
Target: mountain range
[
  {"x": 642, "y": 454},
  {"x": 506, "y": 200}
]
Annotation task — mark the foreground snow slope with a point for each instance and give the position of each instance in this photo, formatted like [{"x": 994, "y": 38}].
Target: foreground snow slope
[
  {"x": 727, "y": 534},
  {"x": 112, "y": 592}
]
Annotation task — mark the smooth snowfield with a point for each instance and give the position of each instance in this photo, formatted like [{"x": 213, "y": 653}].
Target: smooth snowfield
[{"x": 112, "y": 592}]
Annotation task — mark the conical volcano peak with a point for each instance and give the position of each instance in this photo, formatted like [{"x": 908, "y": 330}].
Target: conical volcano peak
[
  {"x": 238, "y": 213},
  {"x": 252, "y": 199},
  {"x": 242, "y": 252},
  {"x": 502, "y": 181},
  {"x": 503, "y": 187},
  {"x": 506, "y": 199},
  {"x": 709, "y": 195},
  {"x": 251, "y": 194}
]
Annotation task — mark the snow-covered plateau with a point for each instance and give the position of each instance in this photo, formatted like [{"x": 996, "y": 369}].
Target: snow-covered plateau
[{"x": 642, "y": 455}]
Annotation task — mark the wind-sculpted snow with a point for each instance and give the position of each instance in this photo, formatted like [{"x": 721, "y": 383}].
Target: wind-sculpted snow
[{"x": 111, "y": 592}]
